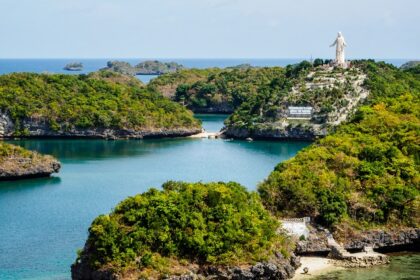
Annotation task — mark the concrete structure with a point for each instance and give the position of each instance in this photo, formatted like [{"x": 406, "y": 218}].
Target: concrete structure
[{"x": 340, "y": 44}]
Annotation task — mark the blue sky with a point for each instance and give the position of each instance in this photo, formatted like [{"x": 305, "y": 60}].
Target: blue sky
[{"x": 207, "y": 28}]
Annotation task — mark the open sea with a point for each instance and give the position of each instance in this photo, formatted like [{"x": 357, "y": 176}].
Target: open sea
[{"x": 91, "y": 65}]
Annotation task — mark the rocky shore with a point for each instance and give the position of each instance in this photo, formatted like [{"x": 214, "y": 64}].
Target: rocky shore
[
  {"x": 276, "y": 268},
  {"x": 381, "y": 240},
  {"x": 277, "y": 132},
  {"x": 17, "y": 163},
  {"x": 40, "y": 129}
]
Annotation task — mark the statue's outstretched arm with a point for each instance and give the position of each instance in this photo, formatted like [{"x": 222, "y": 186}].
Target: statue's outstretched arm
[{"x": 333, "y": 44}]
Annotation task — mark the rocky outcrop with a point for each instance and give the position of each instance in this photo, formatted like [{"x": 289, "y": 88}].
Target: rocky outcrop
[
  {"x": 25, "y": 164},
  {"x": 317, "y": 242},
  {"x": 381, "y": 239},
  {"x": 20, "y": 168},
  {"x": 277, "y": 268},
  {"x": 39, "y": 128},
  {"x": 277, "y": 131}
]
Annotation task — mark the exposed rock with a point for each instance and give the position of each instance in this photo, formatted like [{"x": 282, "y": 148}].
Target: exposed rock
[
  {"x": 277, "y": 131},
  {"x": 27, "y": 165},
  {"x": 383, "y": 239},
  {"x": 317, "y": 242},
  {"x": 277, "y": 268}
]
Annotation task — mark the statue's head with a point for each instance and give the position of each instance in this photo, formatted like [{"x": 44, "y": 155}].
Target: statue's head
[{"x": 339, "y": 34}]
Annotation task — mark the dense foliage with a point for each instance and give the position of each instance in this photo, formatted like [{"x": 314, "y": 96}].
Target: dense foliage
[
  {"x": 104, "y": 99},
  {"x": 365, "y": 174},
  {"x": 230, "y": 87},
  {"x": 214, "y": 223},
  {"x": 168, "y": 83},
  {"x": 327, "y": 91}
]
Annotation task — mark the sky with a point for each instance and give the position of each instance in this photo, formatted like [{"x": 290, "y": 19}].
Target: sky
[{"x": 208, "y": 28}]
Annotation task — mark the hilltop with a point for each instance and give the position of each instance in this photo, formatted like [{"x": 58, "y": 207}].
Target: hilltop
[{"x": 363, "y": 178}]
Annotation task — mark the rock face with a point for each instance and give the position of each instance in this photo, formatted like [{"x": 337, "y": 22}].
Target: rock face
[
  {"x": 277, "y": 268},
  {"x": 36, "y": 128},
  {"x": 380, "y": 239},
  {"x": 300, "y": 132},
  {"x": 317, "y": 242},
  {"x": 21, "y": 167}
]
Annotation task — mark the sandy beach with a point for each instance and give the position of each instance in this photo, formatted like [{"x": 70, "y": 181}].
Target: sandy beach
[{"x": 316, "y": 266}]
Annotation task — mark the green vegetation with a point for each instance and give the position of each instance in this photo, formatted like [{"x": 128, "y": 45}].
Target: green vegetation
[
  {"x": 229, "y": 87},
  {"x": 7, "y": 151},
  {"x": 214, "y": 223},
  {"x": 97, "y": 100},
  {"x": 168, "y": 83},
  {"x": 327, "y": 91},
  {"x": 366, "y": 174}
]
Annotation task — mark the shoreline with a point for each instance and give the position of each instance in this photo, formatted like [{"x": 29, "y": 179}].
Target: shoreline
[{"x": 316, "y": 265}]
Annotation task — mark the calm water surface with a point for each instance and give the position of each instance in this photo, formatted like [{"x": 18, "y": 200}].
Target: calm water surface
[
  {"x": 90, "y": 65},
  {"x": 44, "y": 221}
]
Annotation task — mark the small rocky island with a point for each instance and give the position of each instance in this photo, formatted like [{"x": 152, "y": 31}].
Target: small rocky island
[
  {"x": 149, "y": 67},
  {"x": 18, "y": 163},
  {"x": 75, "y": 66}
]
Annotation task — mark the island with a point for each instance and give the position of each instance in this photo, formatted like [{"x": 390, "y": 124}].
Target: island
[
  {"x": 98, "y": 105},
  {"x": 352, "y": 195},
  {"x": 410, "y": 64},
  {"x": 149, "y": 67},
  {"x": 75, "y": 66},
  {"x": 19, "y": 163},
  {"x": 187, "y": 231}
]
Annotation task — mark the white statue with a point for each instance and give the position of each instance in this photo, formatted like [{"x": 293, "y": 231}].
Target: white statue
[{"x": 340, "y": 44}]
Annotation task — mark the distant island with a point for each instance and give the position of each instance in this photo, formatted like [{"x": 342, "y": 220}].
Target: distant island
[
  {"x": 149, "y": 67},
  {"x": 75, "y": 66},
  {"x": 410, "y": 64}
]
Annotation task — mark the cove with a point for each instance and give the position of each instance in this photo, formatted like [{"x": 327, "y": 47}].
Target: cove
[{"x": 44, "y": 221}]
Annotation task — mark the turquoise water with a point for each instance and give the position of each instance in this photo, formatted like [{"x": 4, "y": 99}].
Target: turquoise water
[
  {"x": 402, "y": 267},
  {"x": 44, "y": 221}
]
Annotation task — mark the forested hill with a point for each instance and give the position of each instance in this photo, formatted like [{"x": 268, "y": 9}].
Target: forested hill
[
  {"x": 96, "y": 105},
  {"x": 366, "y": 174}
]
